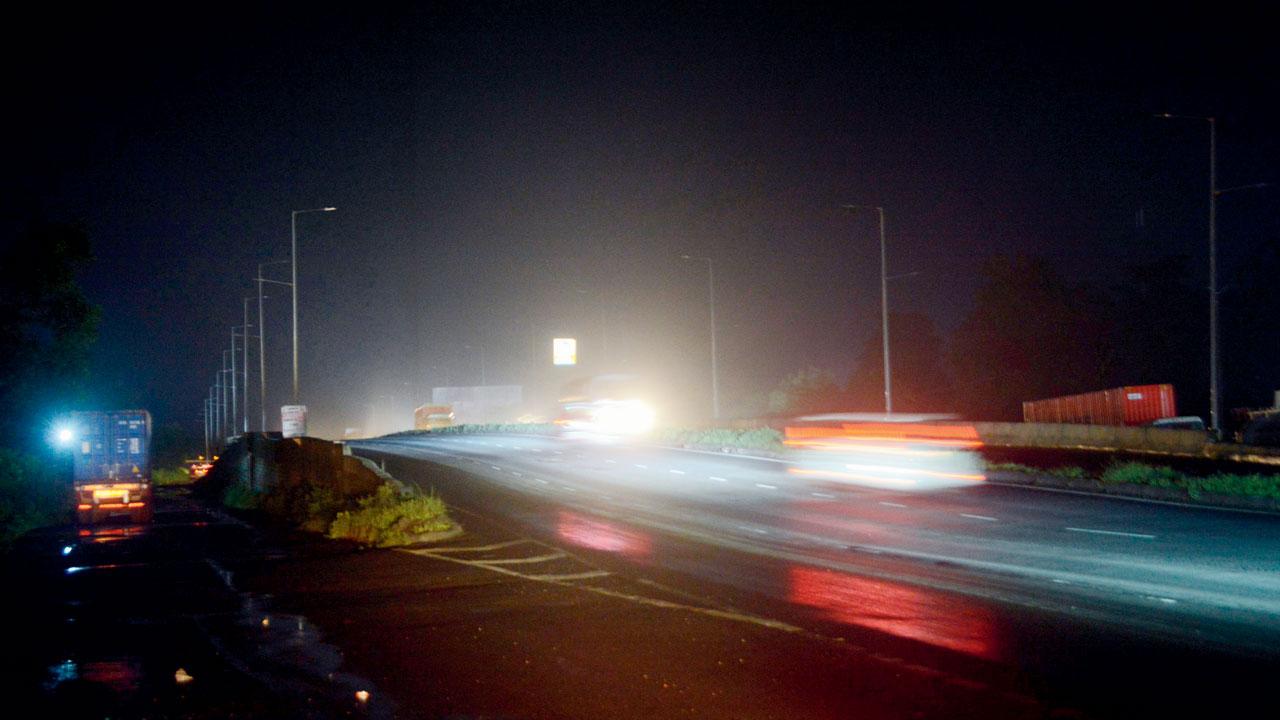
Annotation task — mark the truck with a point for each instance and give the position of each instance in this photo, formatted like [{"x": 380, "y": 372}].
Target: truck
[
  {"x": 432, "y": 417},
  {"x": 1129, "y": 405},
  {"x": 112, "y": 465}
]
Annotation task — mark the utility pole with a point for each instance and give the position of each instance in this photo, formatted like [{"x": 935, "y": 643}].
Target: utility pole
[
  {"x": 293, "y": 256},
  {"x": 884, "y": 305}
]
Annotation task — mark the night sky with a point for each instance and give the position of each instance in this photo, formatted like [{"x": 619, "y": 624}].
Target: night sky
[{"x": 507, "y": 172}]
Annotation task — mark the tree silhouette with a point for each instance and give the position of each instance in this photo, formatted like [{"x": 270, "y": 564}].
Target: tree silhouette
[{"x": 46, "y": 328}]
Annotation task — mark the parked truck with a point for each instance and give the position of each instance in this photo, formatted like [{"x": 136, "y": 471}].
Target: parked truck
[
  {"x": 112, "y": 452},
  {"x": 1130, "y": 405}
]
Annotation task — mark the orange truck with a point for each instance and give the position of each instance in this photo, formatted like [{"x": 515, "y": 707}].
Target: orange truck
[
  {"x": 112, "y": 461},
  {"x": 432, "y": 417}
]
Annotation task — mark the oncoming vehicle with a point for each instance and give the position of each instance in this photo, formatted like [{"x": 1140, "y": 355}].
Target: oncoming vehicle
[{"x": 605, "y": 406}]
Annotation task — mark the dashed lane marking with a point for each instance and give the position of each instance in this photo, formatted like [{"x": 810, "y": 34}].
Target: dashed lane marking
[
  {"x": 676, "y": 472},
  {"x": 1141, "y": 536},
  {"x": 892, "y": 504},
  {"x": 988, "y": 518},
  {"x": 718, "y": 479},
  {"x": 766, "y": 487},
  {"x": 823, "y": 495}
]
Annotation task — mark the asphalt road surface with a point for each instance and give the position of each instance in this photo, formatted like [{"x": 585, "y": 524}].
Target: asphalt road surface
[{"x": 1107, "y": 606}]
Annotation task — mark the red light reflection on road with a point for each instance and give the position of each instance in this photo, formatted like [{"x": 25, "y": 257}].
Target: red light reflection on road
[
  {"x": 599, "y": 535},
  {"x": 913, "y": 613}
]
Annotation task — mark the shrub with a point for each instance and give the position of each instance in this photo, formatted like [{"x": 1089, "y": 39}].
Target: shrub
[
  {"x": 241, "y": 497},
  {"x": 391, "y": 517},
  {"x": 762, "y": 439},
  {"x": 1134, "y": 473},
  {"x": 170, "y": 476},
  {"x": 33, "y": 493}
]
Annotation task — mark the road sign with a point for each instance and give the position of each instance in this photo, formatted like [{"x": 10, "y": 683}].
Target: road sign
[
  {"x": 564, "y": 351},
  {"x": 293, "y": 420}
]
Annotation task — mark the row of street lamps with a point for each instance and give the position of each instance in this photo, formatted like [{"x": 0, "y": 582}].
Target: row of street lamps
[{"x": 222, "y": 408}]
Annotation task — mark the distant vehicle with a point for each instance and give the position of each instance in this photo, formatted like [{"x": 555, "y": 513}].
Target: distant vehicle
[
  {"x": 112, "y": 461},
  {"x": 605, "y": 406},
  {"x": 1130, "y": 405},
  {"x": 1184, "y": 422},
  {"x": 432, "y": 417},
  {"x": 199, "y": 467}
]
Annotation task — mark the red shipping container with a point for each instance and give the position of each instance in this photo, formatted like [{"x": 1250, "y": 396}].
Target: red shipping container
[{"x": 1130, "y": 405}]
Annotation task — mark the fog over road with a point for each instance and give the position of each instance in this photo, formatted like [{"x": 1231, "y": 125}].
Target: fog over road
[{"x": 942, "y": 567}]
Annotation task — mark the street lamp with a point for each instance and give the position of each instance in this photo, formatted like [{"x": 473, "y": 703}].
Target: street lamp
[
  {"x": 884, "y": 305},
  {"x": 262, "y": 342},
  {"x": 711, "y": 294},
  {"x": 244, "y": 350},
  {"x": 1215, "y": 396},
  {"x": 293, "y": 257}
]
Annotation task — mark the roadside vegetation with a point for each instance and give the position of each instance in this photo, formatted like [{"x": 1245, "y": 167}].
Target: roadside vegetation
[
  {"x": 478, "y": 428},
  {"x": 316, "y": 488},
  {"x": 391, "y": 516},
  {"x": 163, "y": 477},
  {"x": 758, "y": 439},
  {"x": 33, "y": 493},
  {"x": 1139, "y": 474}
]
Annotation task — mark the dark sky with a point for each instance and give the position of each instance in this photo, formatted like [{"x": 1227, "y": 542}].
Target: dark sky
[{"x": 507, "y": 172}]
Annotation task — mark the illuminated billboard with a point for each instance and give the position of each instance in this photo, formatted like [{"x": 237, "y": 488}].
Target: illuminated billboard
[{"x": 564, "y": 351}]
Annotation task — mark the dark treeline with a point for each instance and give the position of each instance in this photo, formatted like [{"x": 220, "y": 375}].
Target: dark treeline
[{"x": 1032, "y": 333}]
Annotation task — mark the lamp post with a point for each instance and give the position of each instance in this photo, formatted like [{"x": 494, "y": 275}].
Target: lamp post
[
  {"x": 244, "y": 351},
  {"x": 1214, "y": 400},
  {"x": 711, "y": 295},
  {"x": 884, "y": 305},
  {"x": 293, "y": 257},
  {"x": 262, "y": 342}
]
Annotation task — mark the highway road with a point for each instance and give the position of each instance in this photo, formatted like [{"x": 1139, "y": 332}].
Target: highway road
[{"x": 1072, "y": 585}]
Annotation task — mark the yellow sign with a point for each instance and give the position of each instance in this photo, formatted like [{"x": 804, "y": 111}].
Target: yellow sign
[{"x": 564, "y": 351}]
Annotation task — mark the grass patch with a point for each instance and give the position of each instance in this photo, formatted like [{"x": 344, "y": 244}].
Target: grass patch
[
  {"x": 1256, "y": 485},
  {"x": 391, "y": 517},
  {"x": 241, "y": 497},
  {"x": 761, "y": 439},
  {"x": 163, "y": 477},
  {"x": 1066, "y": 472},
  {"x": 503, "y": 428},
  {"x": 34, "y": 492}
]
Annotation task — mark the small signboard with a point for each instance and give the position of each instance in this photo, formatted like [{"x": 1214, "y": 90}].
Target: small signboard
[
  {"x": 293, "y": 420},
  {"x": 564, "y": 351}
]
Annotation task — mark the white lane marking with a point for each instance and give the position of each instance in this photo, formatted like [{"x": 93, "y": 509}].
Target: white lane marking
[
  {"x": 766, "y": 487},
  {"x": 642, "y": 467},
  {"x": 755, "y": 530},
  {"x": 892, "y": 504},
  {"x": 535, "y": 449},
  {"x": 568, "y": 489},
  {"x": 676, "y": 472},
  {"x": 717, "y": 479},
  {"x": 479, "y": 548},
  {"x": 823, "y": 495},
  {"x": 513, "y": 472},
  {"x": 988, "y": 518},
  {"x": 495, "y": 467},
  {"x": 1142, "y": 536},
  {"x": 572, "y": 576},
  {"x": 544, "y": 482},
  {"x": 611, "y": 462},
  {"x": 500, "y": 445},
  {"x": 557, "y": 452},
  {"x": 1164, "y": 600},
  {"x": 523, "y": 561}
]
